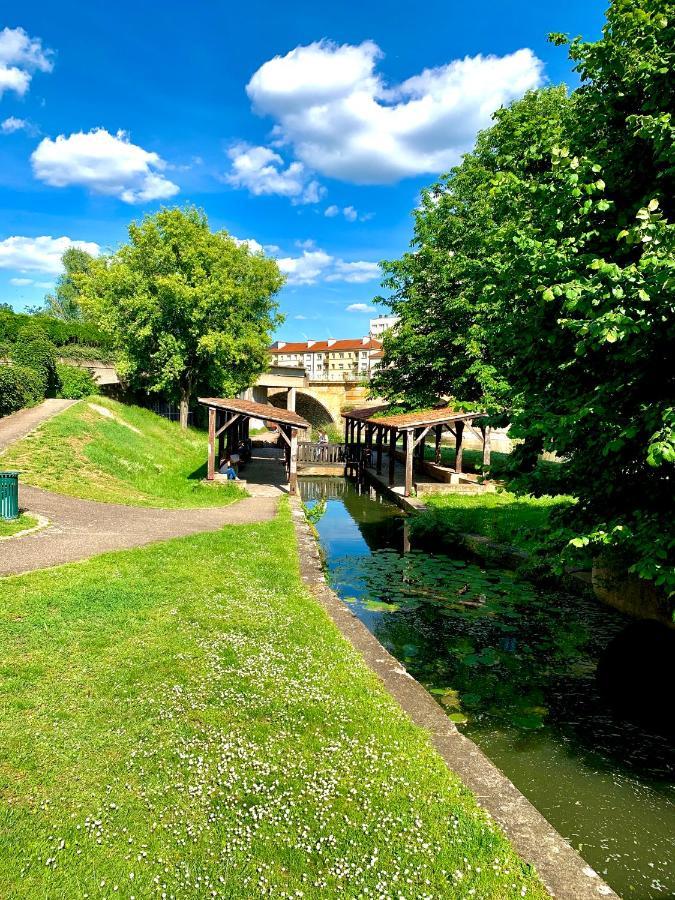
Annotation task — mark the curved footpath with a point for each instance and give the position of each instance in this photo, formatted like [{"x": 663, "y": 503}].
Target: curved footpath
[
  {"x": 79, "y": 529},
  {"x": 19, "y": 424}
]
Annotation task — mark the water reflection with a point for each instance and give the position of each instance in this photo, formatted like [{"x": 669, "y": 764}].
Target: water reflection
[{"x": 516, "y": 668}]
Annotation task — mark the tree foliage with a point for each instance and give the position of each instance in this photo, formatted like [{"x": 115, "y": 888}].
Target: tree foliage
[
  {"x": 541, "y": 284},
  {"x": 64, "y": 303},
  {"x": 188, "y": 309}
]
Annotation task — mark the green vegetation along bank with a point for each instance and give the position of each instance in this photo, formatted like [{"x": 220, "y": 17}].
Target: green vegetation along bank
[
  {"x": 184, "y": 720},
  {"x": 100, "y": 449},
  {"x": 13, "y": 526}
]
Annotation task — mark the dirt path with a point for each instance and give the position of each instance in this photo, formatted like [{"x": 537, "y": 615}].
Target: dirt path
[
  {"x": 82, "y": 528},
  {"x": 21, "y": 423}
]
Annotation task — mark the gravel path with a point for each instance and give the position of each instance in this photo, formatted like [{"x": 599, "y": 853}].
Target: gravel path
[
  {"x": 19, "y": 424},
  {"x": 83, "y": 528}
]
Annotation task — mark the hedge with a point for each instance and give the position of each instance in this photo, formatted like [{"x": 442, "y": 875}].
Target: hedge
[
  {"x": 75, "y": 382},
  {"x": 19, "y": 387},
  {"x": 37, "y": 353},
  {"x": 59, "y": 333}
]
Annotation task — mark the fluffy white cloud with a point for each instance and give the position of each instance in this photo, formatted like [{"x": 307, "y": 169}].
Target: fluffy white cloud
[
  {"x": 12, "y": 124},
  {"x": 355, "y": 272},
  {"x": 20, "y": 282},
  {"x": 349, "y": 212},
  {"x": 316, "y": 265},
  {"x": 253, "y": 245},
  {"x": 360, "y": 308},
  {"x": 261, "y": 171},
  {"x": 20, "y": 56},
  {"x": 105, "y": 164},
  {"x": 342, "y": 120},
  {"x": 332, "y": 211},
  {"x": 39, "y": 254}
]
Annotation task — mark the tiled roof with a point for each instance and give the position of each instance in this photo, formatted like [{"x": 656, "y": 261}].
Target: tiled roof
[
  {"x": 264, "y": 411},
  {"x": 324, "y": 346},
  {"x": 376, "y": 415}
]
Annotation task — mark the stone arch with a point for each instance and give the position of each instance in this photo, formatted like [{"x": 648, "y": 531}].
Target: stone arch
[{"x": 306, "y": 406}]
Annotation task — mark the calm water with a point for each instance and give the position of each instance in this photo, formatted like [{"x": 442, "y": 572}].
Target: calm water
[{"x": 521, "y": 671}]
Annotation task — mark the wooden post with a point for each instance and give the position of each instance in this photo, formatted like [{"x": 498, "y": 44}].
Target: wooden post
[
  {"x": 293, "y": 463},
  {"x": 486, "y": 432},
  {"x": 347, "y": 421},
  {"x": 220, "y": 421},
  {"x": 379, "y": 450},
  {"x": 438, "y": 455},
  {"x": 459, "y": 430},
  {"x": 392, "y": 456},
  {"x": 408, "y": 442},
  {"x": 210, "y": 466},
  {"x": 420, "y": 458}
]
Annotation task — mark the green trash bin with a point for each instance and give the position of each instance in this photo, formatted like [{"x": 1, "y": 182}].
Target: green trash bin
[{"x": 9, "y": 495}]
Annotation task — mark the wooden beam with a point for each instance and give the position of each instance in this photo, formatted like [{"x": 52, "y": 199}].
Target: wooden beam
[
  {"x": 487, "y": 435},
  {"x": 392, "y": 456},
  {"x": 422, "y": 435},
  {"x": 458, "y": 446},
  {"x": 437, "y": 450},
  {"x": 284, "y": 435},
  {"x": 293, "y": 463},
  {"x": 221, "y": 440},
  {"x": 210, "y": 466},
  {"x": 409, "y": 450},
  {"x": 227, "y": 424},
  {"x": 379, "y": 449}
]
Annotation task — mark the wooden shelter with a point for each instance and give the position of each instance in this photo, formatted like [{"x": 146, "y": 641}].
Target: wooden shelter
[
  {"x": 229, "y": 421},
  {"x": 378, "y": 429}
]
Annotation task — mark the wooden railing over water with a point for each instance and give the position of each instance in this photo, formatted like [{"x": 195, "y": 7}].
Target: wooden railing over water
[{"x": 314, "y": 453}]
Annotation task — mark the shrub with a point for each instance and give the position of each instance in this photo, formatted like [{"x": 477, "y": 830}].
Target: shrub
[
  {"x": 19, "y": 387},
  {"x": 37, "y": 353},
  {"x": 75, "y": 382}
]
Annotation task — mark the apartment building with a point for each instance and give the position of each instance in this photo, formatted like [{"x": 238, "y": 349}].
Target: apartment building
[
  {"x": 332, "y": 359},
  {"x": 381, "y": 324}
]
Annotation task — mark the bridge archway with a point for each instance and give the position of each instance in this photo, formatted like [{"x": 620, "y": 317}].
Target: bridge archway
[{"x": 306, "y": 406}]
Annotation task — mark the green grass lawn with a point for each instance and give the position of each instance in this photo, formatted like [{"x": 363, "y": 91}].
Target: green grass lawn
[
  {"x": 503, "y": 517},
  {"x": 128, "y": 456},
  {"x": 184, "y": 721},
  {"x": 8, "y": 528}
]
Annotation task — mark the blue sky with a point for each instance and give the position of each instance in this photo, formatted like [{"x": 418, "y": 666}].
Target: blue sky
[{"x": 306, "y": 128}]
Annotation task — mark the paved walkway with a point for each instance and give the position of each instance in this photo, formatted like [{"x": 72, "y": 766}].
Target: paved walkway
[
  {"x": 21, "y": 423},
  {"x": 79, "y": 529},
  {"x": 82, "y": 528}
]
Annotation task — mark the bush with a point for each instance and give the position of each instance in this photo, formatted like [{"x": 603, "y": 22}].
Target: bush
[
  {"x": 19, "y": 387},
  {"x": 59, "y": 333},
  {"x": 74, "y": 381},
  {"x": 37, "y": 353},
  {"x": 85, "y": 351}
]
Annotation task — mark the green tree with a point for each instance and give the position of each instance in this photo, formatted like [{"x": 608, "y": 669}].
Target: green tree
[
  {"x": 188, "y": 309},
  {"x": 543, "y": 276},
  {"x": 64, "y": 303}
]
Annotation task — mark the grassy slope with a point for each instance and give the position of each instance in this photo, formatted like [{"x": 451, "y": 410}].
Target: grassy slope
[
  {"x": 185, "y": 719},
  {"x": 503, "y": 517},
  {"x": 8, "y": 528},
  {"x": 137, "y": 458}
]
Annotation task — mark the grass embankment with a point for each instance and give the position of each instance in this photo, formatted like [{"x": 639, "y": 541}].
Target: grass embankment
[
  {"x": 104, "y": 450},
  {"x": 185, "y": 721},
  {"x": 8, "y": 528},
  {"x": 504, "y": 518}
]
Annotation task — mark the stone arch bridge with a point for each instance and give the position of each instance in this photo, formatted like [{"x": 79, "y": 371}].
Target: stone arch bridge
[{"x": 319, "y": 400}]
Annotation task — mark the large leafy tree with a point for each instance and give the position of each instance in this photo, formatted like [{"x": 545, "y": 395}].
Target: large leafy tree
[
  {"x": 542, "y": 282},
  {"x": 64, "y": 303},
  {"x": 188, "y": 309}
]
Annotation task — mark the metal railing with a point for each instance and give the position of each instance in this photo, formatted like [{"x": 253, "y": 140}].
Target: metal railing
[{"x": 313, "y": 452}]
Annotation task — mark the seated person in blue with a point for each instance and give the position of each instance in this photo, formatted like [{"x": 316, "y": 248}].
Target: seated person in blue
[{"x": 226, "y": 468}]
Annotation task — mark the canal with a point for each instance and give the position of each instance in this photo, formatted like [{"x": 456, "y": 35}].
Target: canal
[{"x": 536, "y": 678}]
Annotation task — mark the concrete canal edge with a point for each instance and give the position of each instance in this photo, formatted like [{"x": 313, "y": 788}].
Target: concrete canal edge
[{"x": 562, "y": 870}]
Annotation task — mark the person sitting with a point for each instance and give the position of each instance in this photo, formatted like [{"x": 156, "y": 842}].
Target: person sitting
[{"x": 226, "y": 468}]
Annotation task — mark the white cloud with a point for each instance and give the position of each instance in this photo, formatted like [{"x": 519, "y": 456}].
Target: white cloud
[
  {"x": 300, "y": 317},
  {"x": 39, "y": 254},
  {"x": 20, "y": 282},
  {"x": 332, "y": 211},
  {"x": 355, "y": 272},
  {"x": 261, "y": 171},
  {"x": 317, "y": 265},
  {"x": 20, "y": 56},
  {"x": 253, "y": 245},
  {"x": 342, "y": 120},
  {"x": 12, "y": 124},
  {"x": 360, "y": 308},
  {"x": 306, "y": 269},
  {"x": 105, "y": 164},
  {"x": 350, "y": 214}
]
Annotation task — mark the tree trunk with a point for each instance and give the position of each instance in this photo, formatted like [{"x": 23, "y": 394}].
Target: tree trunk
[{"x": 185, "y": 391}]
